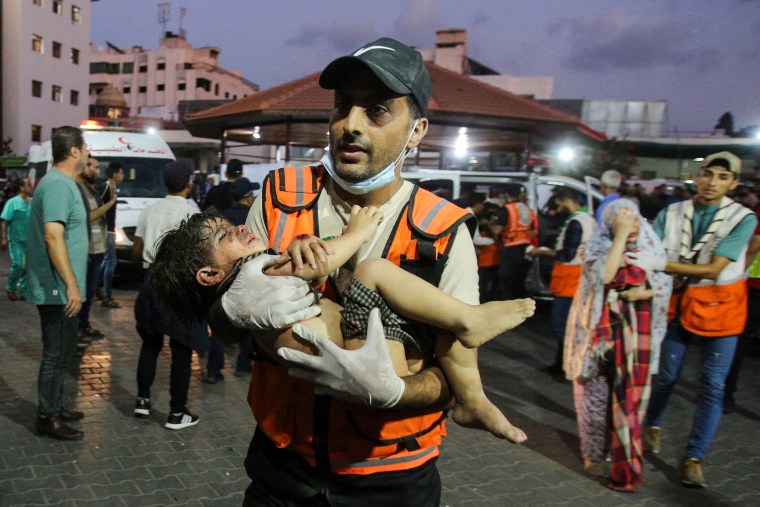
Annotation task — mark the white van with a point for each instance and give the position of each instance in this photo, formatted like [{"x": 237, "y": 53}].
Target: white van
[
  {"x": 538, "y": 189},
  {"x": 143, "y": 157}
]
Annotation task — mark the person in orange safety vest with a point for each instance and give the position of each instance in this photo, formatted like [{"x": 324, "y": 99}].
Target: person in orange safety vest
[
  {"x": 517, "y": 227},
  {"x": 568, "y": 257}
]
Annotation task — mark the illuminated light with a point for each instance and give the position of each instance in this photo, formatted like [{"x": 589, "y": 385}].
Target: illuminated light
[
  {"x": 119, "y": 235},
  {"x": 757, "y": 136},
  {"x": 256, "y": 132},
  {"x": 256, "y": 135},
  {"x": 460, "y": 145},
  {"x": 699, "y": 159},
  {"x": 151, "y": 130},
  {"x": 566, "y": 154},
  {"x": 91, "y": 123}
]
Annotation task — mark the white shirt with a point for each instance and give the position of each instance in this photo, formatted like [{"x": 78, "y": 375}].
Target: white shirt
[{"x": 158, "y": 218}]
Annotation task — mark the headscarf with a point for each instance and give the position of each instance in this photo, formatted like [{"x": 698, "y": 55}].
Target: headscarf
[{"x": 579, "y": 360}]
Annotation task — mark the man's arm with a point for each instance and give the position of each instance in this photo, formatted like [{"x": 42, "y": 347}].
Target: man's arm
[
  {"x": 709, "y": 271},
  {"x": 752, "y": 250},
  {"x": 137, "y": 248},
  {"x": 4, "y": 241},
  {"x": 59, "y": 256}
]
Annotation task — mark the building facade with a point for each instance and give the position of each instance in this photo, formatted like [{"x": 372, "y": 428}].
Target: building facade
[
  {"x": 154, "y": 82},
  {"x": 45, "y": 62},
  {"x": 450, "y": 52}
]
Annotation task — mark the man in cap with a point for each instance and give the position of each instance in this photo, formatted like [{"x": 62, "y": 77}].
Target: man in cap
[
  {"x": 313, "y": 448},
  {"x": 152, "y": 322},
  {"x": 705, "y": 240},
  {"x": 219, "y": 196}
]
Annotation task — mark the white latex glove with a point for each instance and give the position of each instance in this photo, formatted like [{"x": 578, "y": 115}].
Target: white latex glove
[
  {"x": 646, "y": 260},
  {"x": 262, "y": 302},
  {"x": 365, "y": 376}
]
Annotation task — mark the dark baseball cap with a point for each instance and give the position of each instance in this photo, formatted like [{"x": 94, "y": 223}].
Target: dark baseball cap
[
  {"x": 398, "y": 66},
  {"x": 234, "y": 167},
  {"x": 242, "y": 187}
]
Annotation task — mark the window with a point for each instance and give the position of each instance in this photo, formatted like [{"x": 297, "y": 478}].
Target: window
[
  {"x": 74, "y": 98},
  {"x": 143, "y": 68},
  {"x": 37, "y": 133},
  {"x": 98, "y": 67},
  {"x": 161, "y": 65},
  {"x": 36, "y": 88},
  {"x": 37, "y": 46},
  {"x": 38, "y": 3},
  {"x": 216, "y": 89},
  {"x": 204, "y": 83},
  {"x": 74, "y": 56},
  {"x": 56, "y": 49},
  {"x": 127, "y": 67},
  {"x": 126, "y": 89},
  {"x": 57, "y": 6},
  {"x": 181, "y": 85},
  {"x": 143, "y": 89},
  {"x": 160, "y": 87},
  {"x": 226, "y": 95},
  {"x": 56, "y": 95},
  {"x": 76, "y": 14},
  {"x": 113, "y": 68}
]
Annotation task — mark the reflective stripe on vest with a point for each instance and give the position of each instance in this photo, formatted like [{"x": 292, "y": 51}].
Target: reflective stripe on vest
[
  {"x": 422, "y": 237},
  {"x": 522, "y": 225}
]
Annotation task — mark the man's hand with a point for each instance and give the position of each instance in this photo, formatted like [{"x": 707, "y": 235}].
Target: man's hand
[
  {"x": 261, "y": 302},
  {"x": 73, "y": 301},
  {"x": 364, "y": 376},
  {"x": 646, "y": 260},
  {"x": 3, "y": 244}
]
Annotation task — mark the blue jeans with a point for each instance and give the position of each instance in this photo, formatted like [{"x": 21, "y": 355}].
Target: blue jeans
[
  {"x": 109, "y": 265},
  {"x": 560, "y": 311},
  {"x": 717, "y": 354},
  {"x": 17, "y": 275},
  {"x": 215, "y": 361},
  {"x": 59, "y": 346},
  {"x": 94, "y": 263}
]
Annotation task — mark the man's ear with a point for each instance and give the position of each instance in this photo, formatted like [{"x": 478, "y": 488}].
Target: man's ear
[
  {"x": 209, "y": 277},
  {"x": 419, "y": 132}
]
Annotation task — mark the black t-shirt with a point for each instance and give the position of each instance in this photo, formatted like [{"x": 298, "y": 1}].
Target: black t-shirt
[{"x": 105, "y": 196}]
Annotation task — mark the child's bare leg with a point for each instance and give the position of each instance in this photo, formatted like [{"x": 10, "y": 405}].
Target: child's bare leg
[
  {"x": 473, "y": 409},
  {"x": 418, "y": 300}
]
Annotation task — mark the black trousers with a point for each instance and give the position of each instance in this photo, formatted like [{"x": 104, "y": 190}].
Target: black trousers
[
  {"x": 281, "y": 478},
  {"x": 513, "y": 268}
]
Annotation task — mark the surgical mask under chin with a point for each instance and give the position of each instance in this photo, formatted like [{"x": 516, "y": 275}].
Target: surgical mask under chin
[{"x": 381, "y": 179}]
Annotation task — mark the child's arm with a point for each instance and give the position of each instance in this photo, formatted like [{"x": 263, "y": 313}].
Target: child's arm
[{"x": 312, "y": 259}]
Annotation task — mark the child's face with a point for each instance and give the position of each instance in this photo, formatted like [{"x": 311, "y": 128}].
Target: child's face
[{"x": 229, "y": 243}]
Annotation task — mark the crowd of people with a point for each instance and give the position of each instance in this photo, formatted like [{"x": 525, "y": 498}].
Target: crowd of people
[{"x": 311, "y": 277}]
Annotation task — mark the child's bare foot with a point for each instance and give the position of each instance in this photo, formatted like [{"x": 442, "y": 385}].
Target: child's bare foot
[
  {"x": 491, "y": 319},
  {"x": 484, "y": 415}
]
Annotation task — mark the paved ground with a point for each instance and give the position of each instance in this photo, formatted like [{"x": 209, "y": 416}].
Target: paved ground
[{"x": 126, "y": 461}]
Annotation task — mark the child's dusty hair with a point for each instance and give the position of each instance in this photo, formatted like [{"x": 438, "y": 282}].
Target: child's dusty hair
[{"x": 181, "y": 252}]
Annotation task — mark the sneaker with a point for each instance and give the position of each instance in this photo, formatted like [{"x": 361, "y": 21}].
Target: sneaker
[
  {"x": 209, "y": 378},
  {"x": 142, "y": 407},
  {"x": 652, "y": 439},
  {"x": 110, "y": 303},
  {"x": 93, "y": 333},
  {"x": 181, "y": 420},
  {"x": 690, "y": 473}
]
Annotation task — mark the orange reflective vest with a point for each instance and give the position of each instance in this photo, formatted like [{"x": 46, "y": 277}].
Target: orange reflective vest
[
  {"x": 522, "y": 225},
  {"x": 328, "y": 433},
  {"x": 565, "y": 279},
  {"x": 488, "y": 256},
  {"x": 711, "y": 310}
]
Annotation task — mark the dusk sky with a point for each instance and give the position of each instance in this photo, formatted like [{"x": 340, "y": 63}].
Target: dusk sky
[{"x": 702, "y": 56}]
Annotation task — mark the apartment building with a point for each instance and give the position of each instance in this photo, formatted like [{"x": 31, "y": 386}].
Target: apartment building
[
  {"x": 45, "y": 62},
  {"x": 154, "y": 82}
]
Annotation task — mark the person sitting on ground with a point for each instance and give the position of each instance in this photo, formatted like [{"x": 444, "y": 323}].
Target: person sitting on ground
[{"x": 218, "y": 253}]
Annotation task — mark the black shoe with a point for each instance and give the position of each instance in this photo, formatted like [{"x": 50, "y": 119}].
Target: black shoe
[
  {"x": 70, "y": 415},
  {"x": 54, "y": 427},
  {"x": 142, "y": 407},
  {"x": 83, "y": 341},
  {"x": 212, "y": 379},
  {"x": 92, "y": 333},
  {"x": 555, "y": 370},
  {"x": 110, "y": 303},
  {"x": 729, "y": 405},
  {"x": 181, "y": 420}
]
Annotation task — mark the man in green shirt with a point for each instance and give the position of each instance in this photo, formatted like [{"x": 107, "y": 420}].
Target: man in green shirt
[
  {"x": 56, "y": 251},
  {"x": 13, "y": 222}
]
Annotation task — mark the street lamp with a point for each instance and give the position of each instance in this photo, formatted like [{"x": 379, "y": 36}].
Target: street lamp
[{"x": 460, "y": 145}]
